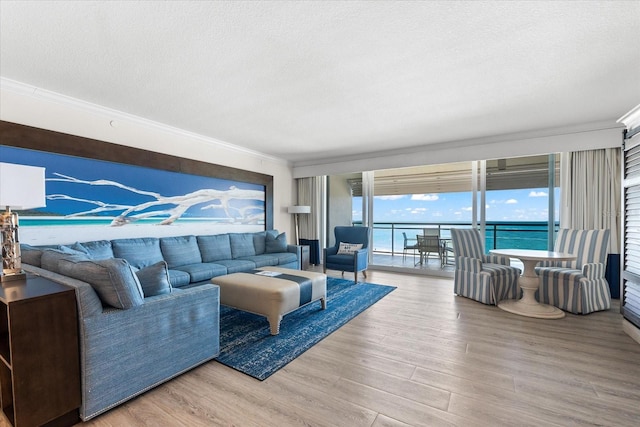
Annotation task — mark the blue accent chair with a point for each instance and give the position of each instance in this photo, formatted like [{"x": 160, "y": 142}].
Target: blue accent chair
[
  {"x": 481, "y": 277},
  {"x": 352, "y": 262},
  {"x": 577, "y": 286}
]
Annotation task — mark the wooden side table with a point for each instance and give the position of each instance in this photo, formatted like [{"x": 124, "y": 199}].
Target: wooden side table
[{"x": 39, "y": 356}]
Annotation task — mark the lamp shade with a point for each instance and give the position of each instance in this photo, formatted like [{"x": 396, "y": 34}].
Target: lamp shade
[
  {"x": 21, "y": 187},
  {"x": 299, "y": 209}
]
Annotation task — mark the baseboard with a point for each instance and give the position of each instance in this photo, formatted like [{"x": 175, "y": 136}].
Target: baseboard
[{"x": 631, "y": 330}]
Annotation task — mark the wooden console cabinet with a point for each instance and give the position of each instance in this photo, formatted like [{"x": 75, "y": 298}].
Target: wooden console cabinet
[{"x": 39, "y": 358}]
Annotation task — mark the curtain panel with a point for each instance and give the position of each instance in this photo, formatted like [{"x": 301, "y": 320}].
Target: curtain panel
[
  {"x": 311, "y": 193},
  {"x": 590, "y": 192}
]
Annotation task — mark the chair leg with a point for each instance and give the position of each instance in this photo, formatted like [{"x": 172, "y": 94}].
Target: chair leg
[
  {"x": 355, "y": 277},
  {"x": 364, "y": 273}
]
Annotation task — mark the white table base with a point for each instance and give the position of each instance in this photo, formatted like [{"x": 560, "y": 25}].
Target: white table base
[{"x": 528, "y": 305}]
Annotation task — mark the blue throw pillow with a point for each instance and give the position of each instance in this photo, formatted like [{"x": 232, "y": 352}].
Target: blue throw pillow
[
  {"x": 154, "y": 279},
  {"x": 113, "y": 280},
  {"x": 276, "y": 244}
]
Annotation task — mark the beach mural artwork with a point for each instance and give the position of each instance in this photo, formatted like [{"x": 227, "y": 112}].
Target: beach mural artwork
[{"x": 94, "y": 192}]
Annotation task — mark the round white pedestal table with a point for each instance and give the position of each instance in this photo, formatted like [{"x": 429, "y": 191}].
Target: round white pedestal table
[{"x": 529, "y": 282}]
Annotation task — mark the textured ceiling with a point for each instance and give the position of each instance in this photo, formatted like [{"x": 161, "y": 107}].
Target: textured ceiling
[{"x": 305, "y": 81}]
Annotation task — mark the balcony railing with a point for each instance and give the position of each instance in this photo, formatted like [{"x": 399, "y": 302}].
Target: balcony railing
[{"x": 388, "y": 237}]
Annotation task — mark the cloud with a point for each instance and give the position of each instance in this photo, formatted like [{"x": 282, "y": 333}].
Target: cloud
[
  {"x": 538, "y": 194},
  {"x": 419, "y": 210},
  {"x": 511, "y": 202},
  {"x": 469, "y": 208},
  {"x": 394, "y": 197},
  {"x": 425, "y": 197}
]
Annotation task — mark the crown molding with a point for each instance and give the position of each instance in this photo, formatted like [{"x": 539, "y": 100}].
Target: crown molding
[
  {"x": 23, "y": 89},
  {"x": 632, "y": 118}
]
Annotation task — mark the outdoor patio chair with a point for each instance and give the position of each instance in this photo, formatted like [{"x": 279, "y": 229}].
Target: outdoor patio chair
[
  {"x": 408, "y": 247},
  {"x": 481, "y": 277},
  {"x": 428, "y": 245},
  {"x": 577, "y": 286},
  {"x": 350, "y": 252}
]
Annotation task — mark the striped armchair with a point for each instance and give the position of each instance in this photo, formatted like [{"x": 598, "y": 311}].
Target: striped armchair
[
  {"x": 484, "y": 278},
  {"x": 577, "y": 286}
]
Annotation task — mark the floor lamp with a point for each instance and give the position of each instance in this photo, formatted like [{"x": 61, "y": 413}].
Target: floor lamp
[
  {"x": 21, "y": 187},
  {"x": 296, "y": 210}
]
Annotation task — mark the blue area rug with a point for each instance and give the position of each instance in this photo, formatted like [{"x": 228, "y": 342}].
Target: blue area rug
[{"x": 247, "y": 345}]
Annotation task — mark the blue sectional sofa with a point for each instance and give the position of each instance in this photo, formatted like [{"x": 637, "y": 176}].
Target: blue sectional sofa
[{"x": 146, "y": 308}]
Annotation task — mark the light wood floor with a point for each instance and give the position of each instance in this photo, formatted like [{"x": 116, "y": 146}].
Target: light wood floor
[{"x": 422, "y": 357}]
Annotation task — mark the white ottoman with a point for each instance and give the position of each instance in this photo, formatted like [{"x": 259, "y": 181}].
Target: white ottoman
[{"x": 272, "y": 291}]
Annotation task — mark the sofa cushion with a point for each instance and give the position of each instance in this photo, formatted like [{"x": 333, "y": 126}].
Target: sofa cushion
[
  {"x": 179, "y": 251},
  {"x": 50, "y": 258},
  {"x": 113, "y": 280},
  {"x": 262, "y": 260},
  {"x": 276, "y": 244},
  {"x": 98, "y": 249},
  {"x": 285, "y": 257},
  {"x": 260, "y": 242},
  {"x": 237, "y": 265},
  {"x": 139, "y": 252},
  {"x": 154, "y": 279},
  {"x": 214, "y": 247},
  {"x": 203, "y": 271},
  {"x": 242, "y": 245},
  {"x": 179, "y": 278}
]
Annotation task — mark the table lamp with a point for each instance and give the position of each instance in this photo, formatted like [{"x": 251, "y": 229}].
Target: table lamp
[
  {"x": 21, "y": 187},
  {"x": 296, "y": 210}
]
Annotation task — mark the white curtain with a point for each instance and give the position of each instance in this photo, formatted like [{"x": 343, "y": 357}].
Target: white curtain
[
  {"x": 311, "y": 192},
  {"x": 590, "y": 192}
]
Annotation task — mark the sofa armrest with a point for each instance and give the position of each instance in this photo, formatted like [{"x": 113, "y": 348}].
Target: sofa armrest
[
  {"x": 126, "y": 352},
  {"x": 87, "y": 299},
  {"x": 594, "y": 270},
  {"x": 362, "y": 257},
  {"x": 296, "y": 249}
]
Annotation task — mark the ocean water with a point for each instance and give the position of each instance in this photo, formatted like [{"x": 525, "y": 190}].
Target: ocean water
[{"x": 529, "y": 235}]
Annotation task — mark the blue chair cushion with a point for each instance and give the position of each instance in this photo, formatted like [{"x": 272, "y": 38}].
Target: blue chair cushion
[{"x": 340, "y": 260}]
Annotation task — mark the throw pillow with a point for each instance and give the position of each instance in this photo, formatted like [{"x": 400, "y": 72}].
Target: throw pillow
[
  {"x": 349, "y": 248},
  {"x": 113, "y": 280},
  {"x": 276, "y": 244},
  {"x": 154, "y": 279}
]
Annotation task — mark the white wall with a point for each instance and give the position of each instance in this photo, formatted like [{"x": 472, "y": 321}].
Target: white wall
[{"x": 34, "y": 107}]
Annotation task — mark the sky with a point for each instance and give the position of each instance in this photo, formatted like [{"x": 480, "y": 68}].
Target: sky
[{"x": 501, "y": 205}]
